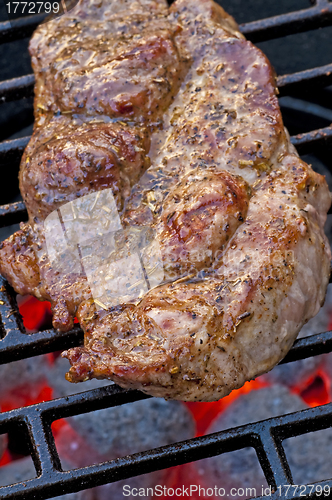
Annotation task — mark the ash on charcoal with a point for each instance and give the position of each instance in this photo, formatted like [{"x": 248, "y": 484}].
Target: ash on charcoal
[
  {"x": 30, "y": 373},
  {"x": 134, "y": 427},
  {"x": 17, "y": 471},
  {"x": 241, "y": 469},
  {"x": 297, "y": 373},
  {"x": 115, "y": 432},
  {"x": 309, "y": 456},
  {"x": 72, "y": 446},
  {"x": 63, "y": 388},
  {"x": 23, "y": 469}
]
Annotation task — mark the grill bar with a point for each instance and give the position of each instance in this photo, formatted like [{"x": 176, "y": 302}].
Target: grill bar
[
  {"x": 52, "y": 481},
  {"x": 17, "y": 345},
  {"x": 305, "y": 81},
  {"x": 11, "y": 151},
  {"x": 17, "y": 88},
  {"x": 13, "y": 146},
  {"x": 45, "y": 458},
  {"x": 318, "y": 16},
  {"x": 312, "y": 141},
  {"x": 320, "y": 343},
  {"x": 13, "y": 213},
  {"x": 273, "y": 455},
  {"x": 19, "y": 28}
]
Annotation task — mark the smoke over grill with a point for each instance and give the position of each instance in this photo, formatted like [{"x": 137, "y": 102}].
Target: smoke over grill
[{"x": 84, "y": 446}]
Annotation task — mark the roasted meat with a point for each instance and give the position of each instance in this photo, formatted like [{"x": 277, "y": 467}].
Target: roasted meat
[{"x": 167, "y": 208}]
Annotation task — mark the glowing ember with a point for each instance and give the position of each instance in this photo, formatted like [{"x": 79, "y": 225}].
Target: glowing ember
[
  {"x": 22, "y": 397},
  {"x": 204, "y": 413},
  {"x": 317, "y": 392},
  {"x": 36, "y": 314},
  {"x": 6, "y": 458}
]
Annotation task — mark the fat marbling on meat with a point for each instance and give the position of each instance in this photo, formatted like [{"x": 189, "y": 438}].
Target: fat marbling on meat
[{"x": 171, "y": 118}]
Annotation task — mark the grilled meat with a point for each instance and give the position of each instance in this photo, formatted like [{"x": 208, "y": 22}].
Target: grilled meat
[
  {"x": 175, "y": 114},
  {"x": 94, "y": 115}
]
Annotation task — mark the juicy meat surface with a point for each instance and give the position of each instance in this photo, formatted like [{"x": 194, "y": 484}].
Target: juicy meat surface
[{"x": 159, "y": 143}]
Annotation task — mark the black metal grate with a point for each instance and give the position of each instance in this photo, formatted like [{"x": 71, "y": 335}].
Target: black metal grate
[{"x": 266, "y": 437}]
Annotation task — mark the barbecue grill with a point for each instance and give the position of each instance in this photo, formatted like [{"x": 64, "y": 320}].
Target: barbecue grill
[{"x": 34, "y": 422}]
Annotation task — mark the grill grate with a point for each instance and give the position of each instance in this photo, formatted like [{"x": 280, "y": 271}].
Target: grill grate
[{"x": 35, "y": 421}]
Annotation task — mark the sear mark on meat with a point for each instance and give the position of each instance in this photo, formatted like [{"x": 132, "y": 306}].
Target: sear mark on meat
[{"x": 173, "y": 116}]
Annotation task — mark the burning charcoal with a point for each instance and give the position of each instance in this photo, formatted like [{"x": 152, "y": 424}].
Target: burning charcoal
[
  {"x": 73, "y": 448},
  {"x": 296, "y": 374},
  {"x": 135, "y": 427},
  {"x": 28, "y": 374},
  {"x": 74, "y": 452},
  {"x": 241, "y": 469},
  {"x": 119, "y": 431},
  {"x": 61, "y": 387},
  {"x": 327, "y": 369},
  {"x": 23, "y": 469},
  {"x": 309, "y": 456}
]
